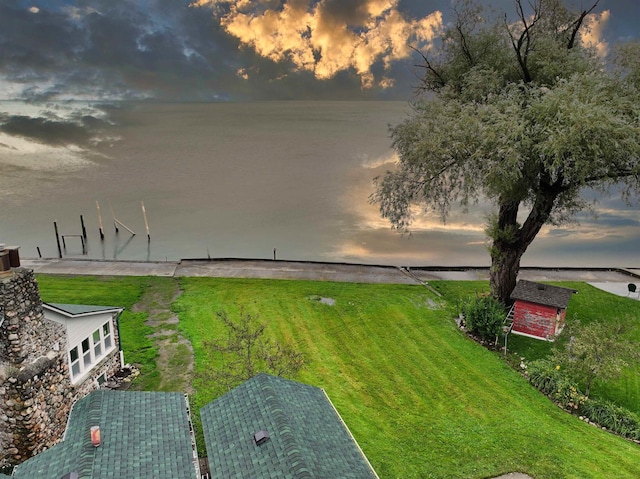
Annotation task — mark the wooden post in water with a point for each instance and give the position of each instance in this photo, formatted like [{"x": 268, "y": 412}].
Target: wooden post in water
[
  {"x": 118, "y": 222},
  {"x": 55, "y": 227},
  {"x": 39, "y": 253},
  {"x": 84, "y": 230},
  {"x": 100, "y": 221},
  {"x": 146, "y": 223},
  {"x": 274, "y": 253},
  {"x": 115, "y": 225}
]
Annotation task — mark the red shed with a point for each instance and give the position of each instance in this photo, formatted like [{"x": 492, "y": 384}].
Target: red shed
[{"x": 539, "y": 310}]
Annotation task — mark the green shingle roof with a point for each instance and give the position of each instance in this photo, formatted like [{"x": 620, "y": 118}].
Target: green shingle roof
[
  {"x": 307, "y": 436},
  {"x": 80, "y": 309},
  {"x": 144, "y": 434}
]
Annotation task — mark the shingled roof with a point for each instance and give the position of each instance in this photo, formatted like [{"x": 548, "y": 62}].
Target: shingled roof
[
  {"x": 74, "y": 310},
  {"x": 307, "y": 437},
  {"x": 144, "y": 434},
  {"x": 541, "y": 293}
]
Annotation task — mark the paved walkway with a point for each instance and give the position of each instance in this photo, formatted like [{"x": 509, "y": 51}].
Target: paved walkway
[{"x": 613, "y": 280}]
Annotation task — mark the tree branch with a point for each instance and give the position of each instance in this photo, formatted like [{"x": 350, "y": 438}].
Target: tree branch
[
  {"x": 439, "y": 80},
  {"x": 577, "y": 24},
  {"x": 524, "y": 40}
]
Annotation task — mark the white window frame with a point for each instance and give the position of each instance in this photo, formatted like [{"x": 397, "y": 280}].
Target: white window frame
[{"x": 90, "y": 351}]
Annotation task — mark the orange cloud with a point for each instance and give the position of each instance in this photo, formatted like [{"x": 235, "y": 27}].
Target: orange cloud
[
  {"x": 592, "y": 37},
  {"x": 317, "y": 37}
]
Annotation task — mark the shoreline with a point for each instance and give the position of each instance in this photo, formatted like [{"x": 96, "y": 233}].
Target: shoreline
[{"x": 614, "y": 279}]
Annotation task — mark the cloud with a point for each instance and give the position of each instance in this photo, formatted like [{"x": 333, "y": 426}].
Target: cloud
[
  {"x": 57, "y": 125},
  {"x": 593, "y": 37},
  {"x": 230, "y": 49},
  {"x": 329, "y": 36}
]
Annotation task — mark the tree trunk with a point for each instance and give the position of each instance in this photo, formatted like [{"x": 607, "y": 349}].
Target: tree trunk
[{"x": 505, "y": 263}]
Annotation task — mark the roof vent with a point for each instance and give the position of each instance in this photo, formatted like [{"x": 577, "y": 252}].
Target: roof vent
[
  {"x": 261, "y": 437},
  {"x": 541, "y": 287}
]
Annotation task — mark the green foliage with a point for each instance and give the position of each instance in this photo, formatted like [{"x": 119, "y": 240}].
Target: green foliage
[
  {"x": 544, "y": 376},
  {"x": 615, "y": 418},
  {"x": 595, "y": 351},
  {"x": 555, "y": 383},
  {"x": 484, "y": 316},
  {"x": 244, "y": 351},
  {"x": 519, "y": 113}
]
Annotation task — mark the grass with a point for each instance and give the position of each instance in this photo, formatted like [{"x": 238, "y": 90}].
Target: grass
[
  {"x": 590, "y": 304},
  {"x": 422, "y": 399}
]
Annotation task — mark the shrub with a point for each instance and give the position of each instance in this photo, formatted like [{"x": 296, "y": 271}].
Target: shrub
[
  {"x": 615, "y": 418},
  {"x": 543, "y": 376},
  {"x": 484, "y": 316},
  {"x": 549, "y": 379}
]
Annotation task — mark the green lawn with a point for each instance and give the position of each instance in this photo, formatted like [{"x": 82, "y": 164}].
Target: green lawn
[{"x": 420, "y": 397}]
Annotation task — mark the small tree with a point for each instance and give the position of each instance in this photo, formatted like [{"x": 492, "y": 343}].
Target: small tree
[
  {"x": 595, "y": 351},
  {"x": 245, "y": 352}
]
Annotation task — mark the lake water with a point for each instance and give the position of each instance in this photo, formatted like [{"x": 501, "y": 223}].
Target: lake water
[{"x": 240, "y": 179}]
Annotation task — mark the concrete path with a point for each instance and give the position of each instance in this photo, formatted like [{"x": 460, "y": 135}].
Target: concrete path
[{"x": 613, "y": 280}]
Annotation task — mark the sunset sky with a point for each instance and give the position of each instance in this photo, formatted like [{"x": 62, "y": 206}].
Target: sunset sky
[
  {"x": 211, "y": 50},
  {"x": 246, "y": 50}
]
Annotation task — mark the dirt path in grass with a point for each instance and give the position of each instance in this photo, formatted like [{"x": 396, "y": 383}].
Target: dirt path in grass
[{"x": 175, "y": 360}]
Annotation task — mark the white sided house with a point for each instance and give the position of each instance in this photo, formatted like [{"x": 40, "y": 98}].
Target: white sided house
[{"x": 93, "y": 342}]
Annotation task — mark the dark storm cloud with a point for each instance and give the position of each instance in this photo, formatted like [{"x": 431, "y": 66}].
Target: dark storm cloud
[
  {"x": 103, "y": 48},
  {"x": 54, "y": 131}
]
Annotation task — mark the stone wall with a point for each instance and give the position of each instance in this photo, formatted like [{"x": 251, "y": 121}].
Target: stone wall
[
  {"x": 36, "y": 393},
  {"x": 24, "y": 333}
]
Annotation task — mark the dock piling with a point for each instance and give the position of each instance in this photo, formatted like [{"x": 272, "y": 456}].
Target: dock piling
[
  {"x": 100, "y": 221},
  {"x": 84, "y": 230},
  {"x": 146, "y": 223},
  {"x": 55, "y": 227}
]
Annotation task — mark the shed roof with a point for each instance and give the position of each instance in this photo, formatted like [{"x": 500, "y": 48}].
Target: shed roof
[
  {"x": 541, "y": 293},
  {"x": 144, "y": 434},
  {"x": 307, "y": 436},
  {"x": 74, "y": 310}
]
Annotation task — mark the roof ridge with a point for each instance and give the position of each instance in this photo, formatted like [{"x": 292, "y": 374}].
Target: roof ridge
[
  {"x": 297, "y": 463},
  {"x": 88, "y": 450}
]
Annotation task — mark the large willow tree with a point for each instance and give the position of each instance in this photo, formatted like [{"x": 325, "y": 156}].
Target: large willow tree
[{"x": 523, "y": 115}]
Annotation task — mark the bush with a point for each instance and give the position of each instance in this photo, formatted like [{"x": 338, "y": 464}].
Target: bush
[
  {"x": 613, "y": 417},
  {"x": 553, "y": 382},
  {"x": 484, "y": 316}
]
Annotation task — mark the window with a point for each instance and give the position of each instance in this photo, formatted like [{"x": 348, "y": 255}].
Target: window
[
  {"x": 100, "y": 380},
  {"x": 75, "y": 362},
  {"x": 91, "y": 350},
  {"x": 106, "y": 334},
  {"x": 97, "y": 344},
  {"x": 86, "y": 353}
]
